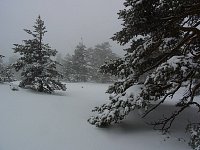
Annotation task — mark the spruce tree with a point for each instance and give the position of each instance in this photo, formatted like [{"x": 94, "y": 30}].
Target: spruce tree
[
  {"x": 164, "y": 39},
  {"x": 38, "y": 69},
  {"x": 67, "y": 68},
  {"x": 6, "y": 75},
  {"x": 85, "y": 63},
  {"x": 79, "y": 63},
  {"x": 96, "y": 57},
  {"x": 1, "y": 69}
]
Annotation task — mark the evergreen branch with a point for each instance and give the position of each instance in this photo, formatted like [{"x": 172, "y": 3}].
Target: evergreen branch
[
  {"x": 172, "y": 52},
  {"x": 195, "y": 10},
  {"x": 168, "y": 94},
  {"x": 162, "y": 101},
  {"x": 197, "y": 86},
  {"x": 190, "y": 29}
]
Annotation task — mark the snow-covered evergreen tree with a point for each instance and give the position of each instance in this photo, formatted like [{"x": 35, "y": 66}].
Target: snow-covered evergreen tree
[
  {"x": 1, "y": 60},
  {"x": 79, "y": 63},
  {"x": 104, "y": 54},
  {"x": 96, "y": 57},
  {"x": 6, "y": 75},
  {"x": 11, "y": 60},
  {"x": 1, "y": 69},
  {"x": 85, "y": 63},
  {"x": 164, "y": 40},
  {"x": 59, "y": 60},
  {"x": 67, "y": 68},
  {"x": 38, "y": 69}
]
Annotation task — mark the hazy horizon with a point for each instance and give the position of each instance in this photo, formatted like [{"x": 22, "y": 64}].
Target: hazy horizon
[{"x": 67, "y": 21}]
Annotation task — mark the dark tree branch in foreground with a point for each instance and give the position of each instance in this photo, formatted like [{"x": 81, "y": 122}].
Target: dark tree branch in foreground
[
  {"x": 164, "y": 55},
  {"x": 166, "y": 123}
]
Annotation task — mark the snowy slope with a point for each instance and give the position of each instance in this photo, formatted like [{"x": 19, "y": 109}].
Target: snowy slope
[{"x": 36, "y": 121}]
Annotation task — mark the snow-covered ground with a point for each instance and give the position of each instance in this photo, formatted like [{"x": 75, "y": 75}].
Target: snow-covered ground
[{"x": 36, "y": 121}]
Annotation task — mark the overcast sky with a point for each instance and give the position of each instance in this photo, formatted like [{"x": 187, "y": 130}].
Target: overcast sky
[{"x": 66, "y": 22}]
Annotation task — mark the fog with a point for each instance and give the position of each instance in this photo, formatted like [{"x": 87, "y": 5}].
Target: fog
[{"x": 67, "y": 22}]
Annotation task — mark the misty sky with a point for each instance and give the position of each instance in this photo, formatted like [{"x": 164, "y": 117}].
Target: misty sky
[{"x": 66, "y": 22}]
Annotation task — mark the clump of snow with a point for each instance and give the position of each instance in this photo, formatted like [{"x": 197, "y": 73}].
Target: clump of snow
[
  {"x": 137, "y": 2},
  {"x": 14, "y": 87}
]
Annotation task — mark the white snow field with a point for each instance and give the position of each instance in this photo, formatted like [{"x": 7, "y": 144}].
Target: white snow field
[{"x": 38, "y": 121}]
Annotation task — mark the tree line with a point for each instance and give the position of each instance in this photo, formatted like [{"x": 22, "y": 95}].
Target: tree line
[
  {"x": 39, "y": 70},
  {"x": 84, "y": 64}
]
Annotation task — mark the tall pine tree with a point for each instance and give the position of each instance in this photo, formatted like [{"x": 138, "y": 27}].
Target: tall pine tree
[
  {"x": 96, "y": 57},
  {"x": 85, "y": 63},
  {"x": 67, "y": 68},
  {"x": 79, "y": 63},
  {"x": 164, "y": 40},
  {"x": 6, "y": 74},
  {"x": 1, "y": 69},
  {"x": 38, "y": 69}
]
